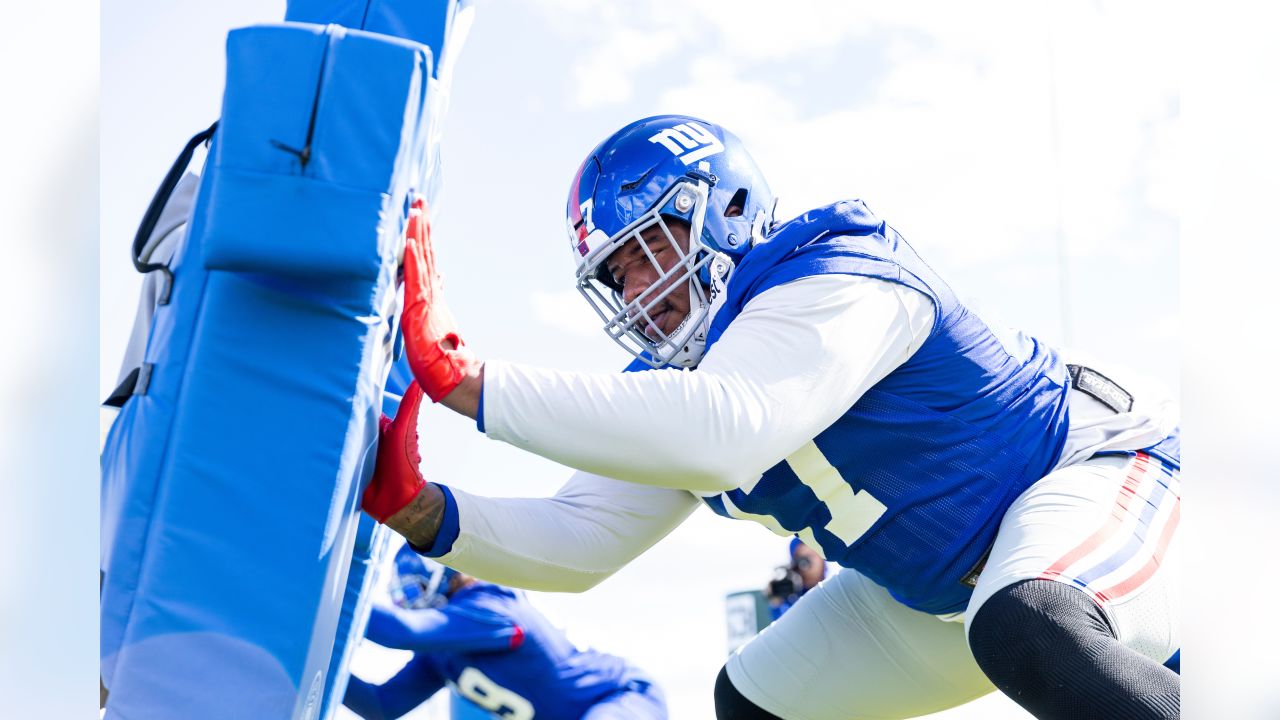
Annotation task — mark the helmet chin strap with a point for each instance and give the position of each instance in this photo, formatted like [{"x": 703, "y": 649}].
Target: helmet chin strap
[
  {"x": 719, "y": 272},
  {"x": 757, "y": 225},
  {"x": 691, "y": 353}
]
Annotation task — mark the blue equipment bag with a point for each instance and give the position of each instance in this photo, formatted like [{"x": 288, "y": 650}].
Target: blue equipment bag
[{"x": 232, "y": 476}]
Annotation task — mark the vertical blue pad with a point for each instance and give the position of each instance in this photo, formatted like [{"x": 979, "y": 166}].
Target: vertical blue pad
[
  {"x": 372, "y": 540},
  {"x": 292, "y": 188},
  {"x": 423, "y": 21},
  {"x": 441, "y": 25},
  {"x": 232, "y": 484}
]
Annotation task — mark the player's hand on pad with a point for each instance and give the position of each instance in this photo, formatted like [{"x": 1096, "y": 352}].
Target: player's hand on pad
[
  {"x": 439, "y": 358},
  {"x": 397, "y": 478}
]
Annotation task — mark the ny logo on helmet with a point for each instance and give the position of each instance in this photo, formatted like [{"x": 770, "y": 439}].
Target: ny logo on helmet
[{"x": 691, "y": 139}]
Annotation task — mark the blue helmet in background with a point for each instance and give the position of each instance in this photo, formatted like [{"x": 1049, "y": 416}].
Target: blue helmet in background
[
  {"x": 419, "y": 582},
  {"x": 663, "y": 168}
]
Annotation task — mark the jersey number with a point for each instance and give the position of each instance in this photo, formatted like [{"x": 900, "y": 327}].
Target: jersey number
[
  {"x": 852, "y": 513},
  {"x": 479, "y": 689}
]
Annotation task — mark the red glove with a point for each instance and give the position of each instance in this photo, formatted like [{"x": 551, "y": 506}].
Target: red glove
[
  {"x": 396, "y": 477},
  {"x": 437, "y": 355}
]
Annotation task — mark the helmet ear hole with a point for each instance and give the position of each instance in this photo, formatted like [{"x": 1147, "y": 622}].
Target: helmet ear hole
[{"x": 736, "y": 204}]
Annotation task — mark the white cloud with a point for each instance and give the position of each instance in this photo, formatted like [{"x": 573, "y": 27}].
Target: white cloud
[
  {"x": 714, "y": 88},
  {"x": 758, "y": 30},
  {"x": 616, "y": 43},
  {"x": 605, "y": 75},
  {"x": 566, "y": 312}
]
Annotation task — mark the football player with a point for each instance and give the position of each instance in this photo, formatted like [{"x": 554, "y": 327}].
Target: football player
[
  {"x": 1006, "y": 511},
  {"x": 496, "y": 650}
]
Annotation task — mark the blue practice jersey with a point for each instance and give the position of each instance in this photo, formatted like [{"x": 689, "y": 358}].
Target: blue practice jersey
[
  {"x": 492, "y": 646},
  {"x": 934, "y": 453}
]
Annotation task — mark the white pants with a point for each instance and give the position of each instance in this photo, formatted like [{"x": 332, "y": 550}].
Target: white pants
[{"x": 848, "y": 650}]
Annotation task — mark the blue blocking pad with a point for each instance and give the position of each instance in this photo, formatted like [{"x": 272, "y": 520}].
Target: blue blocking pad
[
  {"x": 292, "y": 190},
  {"x": 423, "y": 21},
  {"x": 231, "y": 482},
  {"x": 372, "y": 540}
]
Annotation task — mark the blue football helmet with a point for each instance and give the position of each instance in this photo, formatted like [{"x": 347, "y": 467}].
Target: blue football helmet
[
  {"x": 651, "y": 172},
  {"x": 419, "y": 582}
]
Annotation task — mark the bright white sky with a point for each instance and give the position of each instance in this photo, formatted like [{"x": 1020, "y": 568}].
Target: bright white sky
[{"x": 1025, "y": 150}]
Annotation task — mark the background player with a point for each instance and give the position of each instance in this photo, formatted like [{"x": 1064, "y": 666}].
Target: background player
[{"x": 496, "y": 650}]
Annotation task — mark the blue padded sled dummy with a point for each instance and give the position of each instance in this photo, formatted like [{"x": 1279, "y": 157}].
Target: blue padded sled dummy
[
  {"x": 231, "y": 478},
  {"x": 442, "y": 25}
]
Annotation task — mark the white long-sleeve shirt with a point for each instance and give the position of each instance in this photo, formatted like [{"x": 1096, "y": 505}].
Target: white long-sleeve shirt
[
  {"x": 788, "y": 366},
  {"x": 649, "y": 444}
]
